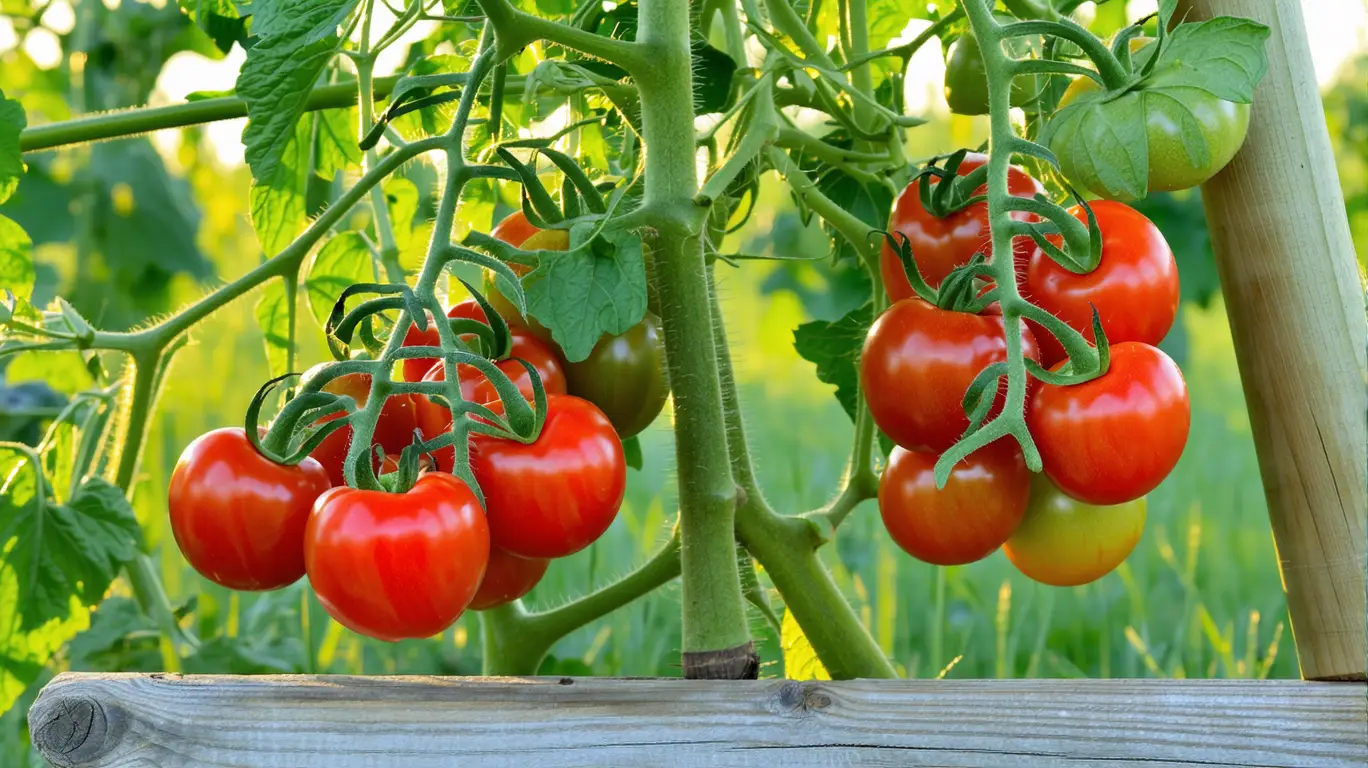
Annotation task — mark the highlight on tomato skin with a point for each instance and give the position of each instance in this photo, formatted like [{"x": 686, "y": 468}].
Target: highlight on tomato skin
[
  {"x": 1115, "y": 438},
  {"x": 1064, "y": 542},
  {"x": 1134, "y": 287},
  {"x": 238, "y": 517},
  {"x": 980, "y": 506},
  {"x": 397, "y": 566}
]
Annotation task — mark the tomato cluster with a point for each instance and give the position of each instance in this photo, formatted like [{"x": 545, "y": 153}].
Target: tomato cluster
[
  {"x": 1104, "y": 443},
  {"x": 406, "y": 565}
]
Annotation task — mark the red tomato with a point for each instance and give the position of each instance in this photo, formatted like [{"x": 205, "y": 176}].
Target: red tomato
[
  {"x": 1064, "y": 542},
  {"x": 415, "y": 367},
  {"x": 394, "y": 566},
  {"x": 1135, "y": 285},
  {"x": 507, "y": 578},
  {"x": 239, "y": 517},
  {"x": 435, "y": 418},
  {"x": 393, "y": 432},
  {"x": 918, "y": 361},
  {"x": 556, "y": 496},
  {"x": 940, "y": 245},
  {"x": 981, "y": 504},
  {"x": 514, "y": 229},
  {"x": 1115, "y": 438}
]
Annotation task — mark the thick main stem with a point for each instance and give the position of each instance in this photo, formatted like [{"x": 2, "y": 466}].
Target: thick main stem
[{"x": 716, "y": 640}]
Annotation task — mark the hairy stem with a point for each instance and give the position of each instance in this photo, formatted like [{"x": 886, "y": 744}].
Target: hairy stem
[{"x": 716, "y": 635}]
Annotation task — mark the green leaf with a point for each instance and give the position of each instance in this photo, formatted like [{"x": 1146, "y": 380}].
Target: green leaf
[
  {"x": 433, "y": 120},
  {"x": 64, "y": 371},
  {"x": 338, "y": 151},
  {"x": 297, "y": 40},
  {"x": 120, "y": 637},
  {"x": 596, "y": 287},
  {"x": 712, "y": 77},
  {"x": 835, "y": 349},
  {"x": 16, "y": 259},
  {"x": 631, "y": 449},
  {"x": 278, "y": 201},
  {"x": 139, "y": 196},
  {"x": 401, "y": 199},
  {"x": 12, "y": 123},
  {"x": 1105, "y": 140},
  {"x": 343, "y": 261},
  {"x": 273, "y": 315},
  {"x": 1223, "y": 56},
  {"x": 219, "y": 19},
  {"x": 61, "y": 551},
  {"x": 800, "y": 659}
]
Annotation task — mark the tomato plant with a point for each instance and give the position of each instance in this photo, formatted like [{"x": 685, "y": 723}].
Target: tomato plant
[
  {"x": 239, "y": 517},
  {"x": 1134, "y": 287},
  {"x": 941, "y": 243},
  {"x": 417, "y": 367},
  {"x": 917, "y": 363},
  {"x": 393, "y": 432},
  {"x": 1113, "y": 439},
  {"x": 396, "y": 566},
  {"x": 555, "y": 496},
  {"x": 624, "y": 376},
  {"x": 1064, "y": 542},
  {"x": 969, "y": 518}
]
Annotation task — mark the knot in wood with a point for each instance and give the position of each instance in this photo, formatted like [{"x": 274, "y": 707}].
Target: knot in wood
[
  {"x": 67, "y": 729},
  {"x": 800, "y": 698}
]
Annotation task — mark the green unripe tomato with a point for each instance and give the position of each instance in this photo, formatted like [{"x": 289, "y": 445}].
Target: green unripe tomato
[
  {"x": 1064, "y": 542},
  {"x": 966, "y": 80},
  {"x": 624, "y": 376},
  {"x": 1222, "y": 124}
]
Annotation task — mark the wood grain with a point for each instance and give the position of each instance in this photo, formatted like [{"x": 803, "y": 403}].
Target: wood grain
[
  {"x": 417, "y": 722},
  {"x": 1296, "y": 306}
]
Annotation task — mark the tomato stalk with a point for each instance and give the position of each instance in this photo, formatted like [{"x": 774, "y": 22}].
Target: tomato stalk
[{"x": 365, "y": 68}]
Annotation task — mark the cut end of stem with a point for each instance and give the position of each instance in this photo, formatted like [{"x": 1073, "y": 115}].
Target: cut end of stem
[{"x": 737, "y": 663}]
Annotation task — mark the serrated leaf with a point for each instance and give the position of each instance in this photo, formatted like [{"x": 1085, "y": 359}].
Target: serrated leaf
[
  {"x": 219, "y": 19},
  {"x": 345, "y": 260},
  {"x": 273, "y": 316},
  {"x": 297, "y": 40},
  {"x": 800, "y": 659},
  {"x": 338, "y": 151},
  {"x": 594, "y": 288},
  {"x": 61, "y": 551},
  {"x": 16, "y": 259},
  {"x": 64, "y": 371},
  {"x": 120, "y": 636},
  {"x": 139, "y": 196},
  {"x": 278, "y": 201},
  {"x": 835, "y": 349},
  {"x": 713, "y": 70},
  {"x": 1223, "y": 56},
  {"x": 1105, "y": 140},
  {"x": 12, "y": 123}
]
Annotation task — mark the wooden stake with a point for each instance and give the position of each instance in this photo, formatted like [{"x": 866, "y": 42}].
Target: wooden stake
[{"x": 1296, "y": 307}]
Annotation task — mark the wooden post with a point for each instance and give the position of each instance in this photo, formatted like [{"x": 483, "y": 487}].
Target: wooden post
[{"x": 1296, "y": 308}]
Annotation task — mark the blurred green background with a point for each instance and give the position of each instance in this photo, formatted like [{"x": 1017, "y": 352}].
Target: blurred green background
[{"x": 131, "y": 229}]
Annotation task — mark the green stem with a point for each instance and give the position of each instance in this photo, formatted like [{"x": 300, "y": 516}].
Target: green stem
[
  {"x": 848, "y": 224},
  {"x": 906, "y": 50},
  {"x": 514, "y": 30},
  {"x": 515, "y": 641},
  {"x": 788, "y": 22},
  {"x": 860, "y": 76},
  {"x": 365, "y": 67},
  {"x": 716, "y": 638},
  {"x": 1113, "y": 75}
]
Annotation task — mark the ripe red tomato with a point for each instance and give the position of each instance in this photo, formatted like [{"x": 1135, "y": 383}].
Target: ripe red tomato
[
  {"x": 393, "y": 432},
  {"x": 556, "y": 496},
  {"x": 1135, "y": 285},
  {"x": 940, "y": 245},
  {"x": 1115, "y": 438},
  {"x": 435, "y": 418},
  {"x": 507, "y": 578},
  {"x": 514, "y": 229},
  {"x": 239, "y": 517},
  {"x": 1064, "y": 542},
  {"x": 394, "y": 566},
  {"x": 917, "y": 362},
  {"x": 981, "y": 504},
  {"x": 415, "y": 367}
]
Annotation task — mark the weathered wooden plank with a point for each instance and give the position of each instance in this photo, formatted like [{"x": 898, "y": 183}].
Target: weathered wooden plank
[{"x": 416, "y": 722}]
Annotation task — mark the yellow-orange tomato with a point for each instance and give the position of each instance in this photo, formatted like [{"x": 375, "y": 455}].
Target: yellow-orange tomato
[{"x": 1064, "y": 542}]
